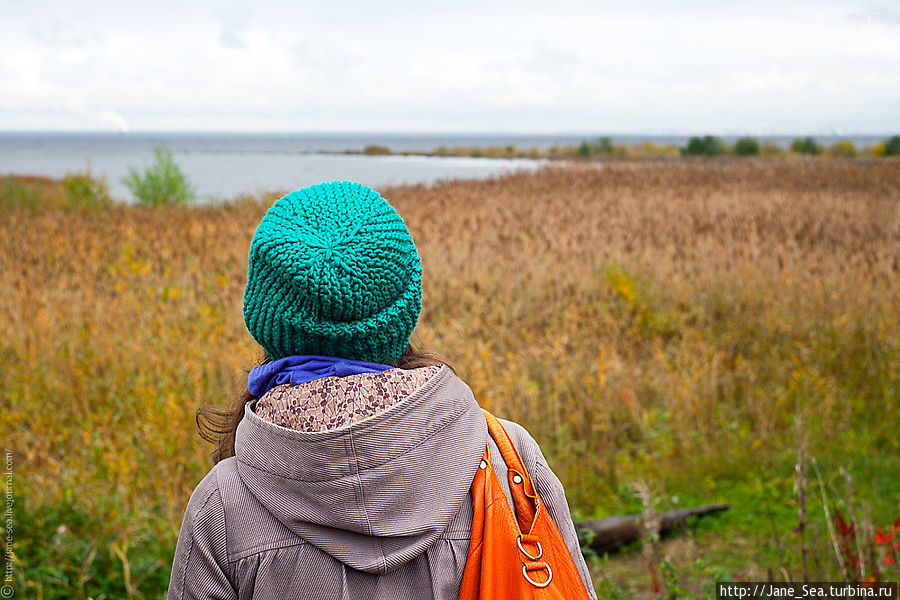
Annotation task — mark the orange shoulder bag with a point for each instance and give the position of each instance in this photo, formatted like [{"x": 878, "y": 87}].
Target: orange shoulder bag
[{"x": 521, "y": 555}]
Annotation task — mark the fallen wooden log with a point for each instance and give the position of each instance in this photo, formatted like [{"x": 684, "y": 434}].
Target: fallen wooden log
[{"x": 610, "y": 534}]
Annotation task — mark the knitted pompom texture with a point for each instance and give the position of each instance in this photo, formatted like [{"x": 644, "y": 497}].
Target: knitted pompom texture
[{"x": 333, "y": 271}]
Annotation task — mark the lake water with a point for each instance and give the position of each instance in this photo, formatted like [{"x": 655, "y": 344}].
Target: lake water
[{"x": 226, "y": 165}]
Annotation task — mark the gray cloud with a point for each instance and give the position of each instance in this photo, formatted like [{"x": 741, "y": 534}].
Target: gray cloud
[{"x": 464, "y": 66}]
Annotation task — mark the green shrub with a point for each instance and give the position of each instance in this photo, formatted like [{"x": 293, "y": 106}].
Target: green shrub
[
  {"x": 892, "y": 146},
  {"x": 746, "y": 146},
  {"x": 842, "y": 149},
  {"x": 78, "y": 191},
  {"x": 84, "y": 190},
  {"x": 376, "y": 150},
  {"x": 604, "y": 146},
  {"x": 708, "y": 145},
  {"x": 162, "y": 183},
  {"x": 806, "y": 145},
  {"x": 27, "y": 193}
]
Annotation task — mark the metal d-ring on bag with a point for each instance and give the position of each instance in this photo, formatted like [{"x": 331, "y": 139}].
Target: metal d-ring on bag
[{"x": 517, "y": 554}]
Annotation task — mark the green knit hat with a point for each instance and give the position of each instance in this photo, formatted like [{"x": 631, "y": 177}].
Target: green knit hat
[{"x": 333, "y": 271}]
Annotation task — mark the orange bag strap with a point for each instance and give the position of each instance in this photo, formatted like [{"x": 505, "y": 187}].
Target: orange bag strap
[
  {"x": 514, "y": 556},
  {"x": 525, "y": 498}
]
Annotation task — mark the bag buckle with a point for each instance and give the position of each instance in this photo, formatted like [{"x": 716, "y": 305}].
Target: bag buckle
[
  {"x": 540, "y": 551},
  {"x": 536, "y": 567}
]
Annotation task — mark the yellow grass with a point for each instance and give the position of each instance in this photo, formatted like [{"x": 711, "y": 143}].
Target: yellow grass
[{"x": 644, "y": 320}]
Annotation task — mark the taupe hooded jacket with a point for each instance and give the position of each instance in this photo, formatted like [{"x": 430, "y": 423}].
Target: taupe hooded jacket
[{"x": 380, "y": 508}]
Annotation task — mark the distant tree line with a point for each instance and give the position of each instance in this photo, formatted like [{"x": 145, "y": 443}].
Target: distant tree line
[
  {"x": 748, "y": 146},
  {"x": 708, "y": 145}
]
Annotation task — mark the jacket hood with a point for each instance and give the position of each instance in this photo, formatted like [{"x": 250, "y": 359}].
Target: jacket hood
[{"x": 376, "y": 493}]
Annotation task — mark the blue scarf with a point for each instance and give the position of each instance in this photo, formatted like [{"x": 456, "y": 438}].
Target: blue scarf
[{"x": 303, "y": 368}]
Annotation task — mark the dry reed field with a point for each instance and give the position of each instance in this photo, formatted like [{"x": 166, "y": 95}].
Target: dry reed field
[{"x": 686, "y": 324}]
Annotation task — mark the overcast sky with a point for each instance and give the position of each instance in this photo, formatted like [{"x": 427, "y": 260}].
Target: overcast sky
[{"x": 760, "y": 67}]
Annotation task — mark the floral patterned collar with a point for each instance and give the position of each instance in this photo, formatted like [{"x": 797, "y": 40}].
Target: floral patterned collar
[{"x": 333, "y": 402}]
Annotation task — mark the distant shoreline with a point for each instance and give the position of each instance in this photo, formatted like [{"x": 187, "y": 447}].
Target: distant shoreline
[{"x": 609, "y": 148}]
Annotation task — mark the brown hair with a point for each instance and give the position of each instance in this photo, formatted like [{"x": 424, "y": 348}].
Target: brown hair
[{"x": 218, "y": 425}]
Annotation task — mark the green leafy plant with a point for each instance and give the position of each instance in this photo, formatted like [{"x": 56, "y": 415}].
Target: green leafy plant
[
  {"x": 746, "y": 146},
  {"x": 605, "y": 146},
  {"x": 708, "y": 145},
  {"x": 602, "y": 146},
  {"x": 162, "y": 183},
  {"x": 78, "y": 191},
  {"x": 806, "y": 145},
  {"x": 84, "y": 190},
  {"x": 892, "y": 146}
]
